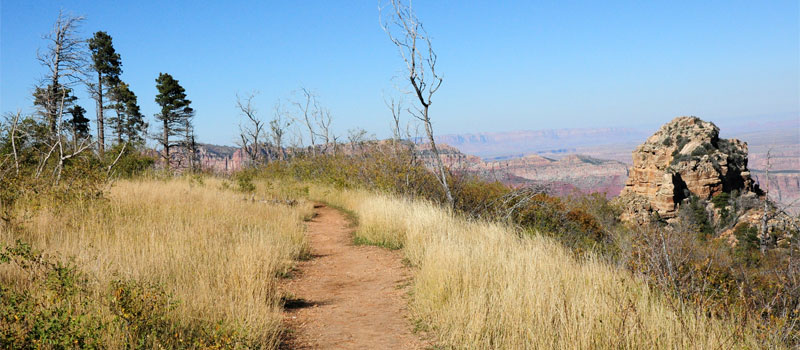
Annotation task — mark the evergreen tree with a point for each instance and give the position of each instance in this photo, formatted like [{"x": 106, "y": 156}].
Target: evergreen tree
[
  {"x": 176, "y": 114},
  {"x": 79, "y": 124},
  {"x": 48, "y": 101},
  {"x": 128, "y": 125},
  {"x": 106, "y": 63},
  {"x": 135, "y": 126}
]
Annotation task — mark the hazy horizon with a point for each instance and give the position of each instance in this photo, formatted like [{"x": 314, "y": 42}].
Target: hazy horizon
[{"x": 510, "y": 66}]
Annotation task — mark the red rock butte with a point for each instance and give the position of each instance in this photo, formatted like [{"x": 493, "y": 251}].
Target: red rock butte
[{"x": 685, "y": 157}]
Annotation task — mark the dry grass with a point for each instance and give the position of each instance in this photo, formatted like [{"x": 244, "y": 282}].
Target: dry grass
[
  {"x": 219, "y": 254},
  {"x": 480, "y": 286}
]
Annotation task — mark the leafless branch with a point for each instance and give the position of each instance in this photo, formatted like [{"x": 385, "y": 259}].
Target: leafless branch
[
  {"x": 252, "y": 133},
  {"x": 121, "y": 152},
  {"x": 408, "y": 34}
]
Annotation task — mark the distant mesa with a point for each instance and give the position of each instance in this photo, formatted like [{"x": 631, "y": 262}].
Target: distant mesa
[
  {"x": 569, "y": 174},
  {"x": 494, "y": 145},
  {"x": 685, "y": 157}
]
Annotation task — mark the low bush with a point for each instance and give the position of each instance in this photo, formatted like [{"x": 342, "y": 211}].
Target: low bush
[
  {"x": 45, "y": 303},
  {"x": 747, "y": 244},
  {"x": 148, "y": 317},
  {"x": 127, "y": 161}
]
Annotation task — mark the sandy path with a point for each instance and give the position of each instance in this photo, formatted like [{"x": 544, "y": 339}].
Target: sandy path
[{"x": 346, "y": 296}]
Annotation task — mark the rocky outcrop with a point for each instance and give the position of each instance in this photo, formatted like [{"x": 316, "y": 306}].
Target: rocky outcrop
[{"x": 685, "y": 157}]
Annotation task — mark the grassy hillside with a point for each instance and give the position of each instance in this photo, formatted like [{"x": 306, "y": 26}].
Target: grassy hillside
[
  {"x": 194, "y": 263},
  {"x": 482, "y": 286},
  {"x": 175, "y": 263}
]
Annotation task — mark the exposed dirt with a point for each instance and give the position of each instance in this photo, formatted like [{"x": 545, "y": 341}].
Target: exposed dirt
[{"x": 346, "y": 296}]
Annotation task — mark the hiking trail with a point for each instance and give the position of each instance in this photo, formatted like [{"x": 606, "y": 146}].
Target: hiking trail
[{"x": 347, "y": 296}]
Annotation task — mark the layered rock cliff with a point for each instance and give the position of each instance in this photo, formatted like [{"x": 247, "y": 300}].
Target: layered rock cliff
[
  {"x": 685, "y": 157},
  {"x": 572, "y": 173}
]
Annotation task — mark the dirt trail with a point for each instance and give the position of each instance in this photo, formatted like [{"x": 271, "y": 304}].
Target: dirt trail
[{"x": 346, "y": 296}]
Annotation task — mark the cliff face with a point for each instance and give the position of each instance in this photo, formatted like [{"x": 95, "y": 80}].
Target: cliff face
[
  {"x": 686, "y": 157},
  {"x": 563, "y": 176},
  {"x": 585, "y": 173}
]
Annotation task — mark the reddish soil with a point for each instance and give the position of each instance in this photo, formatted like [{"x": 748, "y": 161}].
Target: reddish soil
[{"x": 346, "y": 296}]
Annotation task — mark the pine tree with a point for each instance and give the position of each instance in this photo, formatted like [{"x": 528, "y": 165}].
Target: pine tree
[
  {"x": 128, "y": 124},
  {"x": 48, "y": 100},
  {"x": 135, "y": 127},
  {"x": 79, "y": 124},
  {"x": 176, "y": 114},
  {"x": 106, "y": 63}
]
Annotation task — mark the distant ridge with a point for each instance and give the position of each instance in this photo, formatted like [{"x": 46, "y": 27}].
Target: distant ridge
[{"x": 498, "y": 145}]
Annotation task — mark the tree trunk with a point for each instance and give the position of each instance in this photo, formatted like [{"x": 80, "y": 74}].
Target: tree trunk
[
  {"x": 101, "y": 135},
  {"x": 166, "y": 142},
  {"x": 765, "y": 218},
  {"x": 119, "y": 128},
  {"x": 764, "y": 230},
  {"x": 52, "y": 117},
  {"x": 439, "y": 164}
]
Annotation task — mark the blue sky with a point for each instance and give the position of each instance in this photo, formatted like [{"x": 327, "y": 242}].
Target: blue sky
[{"x": 507, "y": 65}]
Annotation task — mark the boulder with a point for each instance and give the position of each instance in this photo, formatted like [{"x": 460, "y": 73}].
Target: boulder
[{"x": 684, "y": 157}]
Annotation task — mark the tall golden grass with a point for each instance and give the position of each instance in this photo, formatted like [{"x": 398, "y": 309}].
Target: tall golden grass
[
  {"x": 214, "y": 249},
  {"x": 479, "y": 285}
]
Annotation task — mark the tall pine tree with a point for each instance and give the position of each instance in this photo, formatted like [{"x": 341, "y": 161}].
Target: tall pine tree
[
  {"x": 128, "y": 124},
  {"x": 106, "y": 63},
  {"x": 176, "y": 114}
]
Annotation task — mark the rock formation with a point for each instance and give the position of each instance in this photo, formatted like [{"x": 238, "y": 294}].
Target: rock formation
[
  {"x": 685, "y": 157},
  {"x": 567, "y": 175}
]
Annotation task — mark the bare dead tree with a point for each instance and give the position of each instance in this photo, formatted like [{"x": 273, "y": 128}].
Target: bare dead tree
[
  {"x": 65, "y": 60},
  {"x": 277, "y": 129},
  {"x": 414, "y": 44},
  {"x": 119, "y": 155},
  {"x": 14, "y": 124},
  {"x": 322, "y": 118},
  {"x": 396, "y": 107},
  {"x": 356, "y": 138},
  {"x": 764, "y": 236},
  {"x": 308, "y": 107},
  {"x": 335, "y": 140},
  {"x": 296, "y": 139},
  {"x": 189, "y": 145},
  {"x": 252, "y": 133},
  {"x": 773, "y": 210}
]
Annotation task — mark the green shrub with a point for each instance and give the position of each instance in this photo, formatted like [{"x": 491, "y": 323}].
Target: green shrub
[
  {"x": 53, "y": 310},
  {"x": 747, "y": 244},
  {"x": 244, "y": 181},
  {"x": 131, "y": 161},
  {"x": 678, "y": 157},
  {"x": 698, "y": 218},
  {"x": 378, "y": 167},
  {"x": 146, "y": 312},
  {"x": 700, "y": 151},
  {"x": 49, "y": 304},
  {"x": 721, "y": 200},
  {"x": 473, "y": 195}
]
